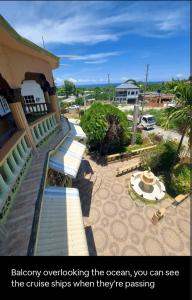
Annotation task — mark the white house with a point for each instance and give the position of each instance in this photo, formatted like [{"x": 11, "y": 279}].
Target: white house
[{"x": 127, "y": 92}]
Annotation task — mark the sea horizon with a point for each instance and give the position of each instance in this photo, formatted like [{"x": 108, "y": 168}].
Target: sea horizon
[{"x": 94, "y": 85}]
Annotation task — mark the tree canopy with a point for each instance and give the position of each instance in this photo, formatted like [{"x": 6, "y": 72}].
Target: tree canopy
[{"x": 106, "y": 128}]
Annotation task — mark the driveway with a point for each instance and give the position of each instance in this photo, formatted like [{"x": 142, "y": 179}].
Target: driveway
[{"x": 167, "y": 134}]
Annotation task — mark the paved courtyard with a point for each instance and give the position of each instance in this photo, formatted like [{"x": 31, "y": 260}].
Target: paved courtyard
[{"x": 116, "y": 225}]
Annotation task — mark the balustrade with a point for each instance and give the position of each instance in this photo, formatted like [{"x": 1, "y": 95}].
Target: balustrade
[
  {"x": 12, "y": 168},
  {"x": 43, "y": 128}
]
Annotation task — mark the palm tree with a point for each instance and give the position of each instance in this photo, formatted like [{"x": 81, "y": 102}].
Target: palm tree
[{"x": 183, "y": 109}]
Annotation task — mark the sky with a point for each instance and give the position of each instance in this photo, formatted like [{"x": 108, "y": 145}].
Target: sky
[{"x": 97, "y": 38}]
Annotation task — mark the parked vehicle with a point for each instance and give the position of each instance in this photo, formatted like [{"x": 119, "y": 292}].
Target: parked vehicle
[
  {"x": 148, "y": 121},
  {"x": 170, "y": 104},
  {"x": 73, "y": 107}
]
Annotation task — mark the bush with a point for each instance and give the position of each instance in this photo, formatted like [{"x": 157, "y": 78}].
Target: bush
[
  {"x": 106, "y": 128},
  {"x": 180, "y": 179},
  {"x": 79, "y": 101},
  {"x": 139, "y": 138},
  {"x": 161, "y": 159}
]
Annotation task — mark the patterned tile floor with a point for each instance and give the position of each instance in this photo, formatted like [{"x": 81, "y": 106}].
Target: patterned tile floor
[{"x": 115, "y": 225}]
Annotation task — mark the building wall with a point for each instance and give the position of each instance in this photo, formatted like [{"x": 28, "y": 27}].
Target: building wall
[
  {"x": 125, "y": 94},
  {"x": 14, "y": 65},
  {"x": 31, "y": 87}
]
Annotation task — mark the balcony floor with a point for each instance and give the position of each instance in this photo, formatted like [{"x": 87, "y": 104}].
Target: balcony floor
[{"x": 20, "y": 218}]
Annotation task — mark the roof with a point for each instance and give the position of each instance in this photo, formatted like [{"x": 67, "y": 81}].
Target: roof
[
  {"x": 148, "y": 116},
  {"x": 127, "y": 86},
  {"x": 7, "y": 30},
  {"x": 67, "y": 158},
  {"x": 60, "y": 230}
]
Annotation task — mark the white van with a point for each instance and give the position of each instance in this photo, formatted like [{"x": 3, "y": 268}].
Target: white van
[{"x": 148, "y": 121}]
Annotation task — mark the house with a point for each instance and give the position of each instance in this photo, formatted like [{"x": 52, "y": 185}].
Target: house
[
  {"x": 127, "y": 92},
  {"x": 35, "y": 143}
]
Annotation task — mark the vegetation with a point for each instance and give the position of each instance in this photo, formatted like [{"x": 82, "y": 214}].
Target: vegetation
[
  {"x": 180, "y": 179},
  {"x": 161, "y": 159},
  {"x": 79, "y": 101},
  {"x": 182, "y": 112},
  {"x": 106, "y": 128},
  {"x": 161, "y": 116}
]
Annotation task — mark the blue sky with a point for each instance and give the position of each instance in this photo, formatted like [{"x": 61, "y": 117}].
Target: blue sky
[{"x": 96, "y": 38}]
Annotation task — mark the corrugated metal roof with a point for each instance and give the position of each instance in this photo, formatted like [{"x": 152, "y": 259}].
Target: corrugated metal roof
[
  {"x": 67, "y": 158},
  {"x": 61, "y": 231},
  {"x": 127, "y": 86}
]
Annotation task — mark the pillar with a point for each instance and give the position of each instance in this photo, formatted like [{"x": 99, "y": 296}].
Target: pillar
[
  {"x": 54, "y": 103},
  {"x": 19, "y": 115}
]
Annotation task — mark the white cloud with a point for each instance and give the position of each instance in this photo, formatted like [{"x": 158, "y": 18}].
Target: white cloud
[
  {"x": 59, "y": 80},
  {"x": 73, "y": 80},
  {"x": 102, "y": 61},
  {"x": 90, "y": 57},
  {"x": 179, "y": 75},
  {"x": 93, "y": 22}
]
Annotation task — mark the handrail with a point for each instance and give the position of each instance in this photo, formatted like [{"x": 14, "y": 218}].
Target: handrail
[
  {"x": 31, "y": 245},
  {"x": 10, "y": 145},
  {"x": 38, "y": 121}
]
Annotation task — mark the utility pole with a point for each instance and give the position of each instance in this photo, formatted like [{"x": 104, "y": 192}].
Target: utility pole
[
  {"x": 109, "y": 86},
  {"x": 146, "y": 80}
]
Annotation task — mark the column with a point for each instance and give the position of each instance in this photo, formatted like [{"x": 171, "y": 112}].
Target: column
[
  {"x": 54, "y": 103},
  {"x": 19, "y": 115}
]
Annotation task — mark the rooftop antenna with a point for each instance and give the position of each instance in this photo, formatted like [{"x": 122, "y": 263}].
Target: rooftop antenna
[{"x": 43, "y": 42}]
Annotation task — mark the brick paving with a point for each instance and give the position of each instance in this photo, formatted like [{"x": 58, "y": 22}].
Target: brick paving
[{"x": 116, "y": 225}]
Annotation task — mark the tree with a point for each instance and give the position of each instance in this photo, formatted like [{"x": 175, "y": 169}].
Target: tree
[
  {"x": 69, "y": 88},
  {"x": 182, "y": 111},
  {"x": 106, "y": 128}
]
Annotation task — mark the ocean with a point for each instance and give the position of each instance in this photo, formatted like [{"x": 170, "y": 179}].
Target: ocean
[{"x": 105, "y": 84}]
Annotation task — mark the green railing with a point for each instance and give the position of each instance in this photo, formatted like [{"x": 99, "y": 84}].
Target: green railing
[
  {"x": 43, "y": 128},
  {"x": 14, "y": 159}
]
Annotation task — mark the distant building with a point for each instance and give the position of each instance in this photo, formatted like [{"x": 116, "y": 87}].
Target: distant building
[{"x": 127, "y": 92}]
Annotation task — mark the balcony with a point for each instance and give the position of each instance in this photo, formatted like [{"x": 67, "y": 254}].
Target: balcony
[
  {"x": 34, "y": 111},
  {"x": 14, "y": 159},
  {"x": 43, "y": 127}
]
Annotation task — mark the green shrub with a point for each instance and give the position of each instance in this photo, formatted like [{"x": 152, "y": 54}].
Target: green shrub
[
  {"x": 106, "y": 128},
  {"x": 180, "y": 179},
  {"x": 139, "y": 138},
  {"x": 161, "y": 159}
]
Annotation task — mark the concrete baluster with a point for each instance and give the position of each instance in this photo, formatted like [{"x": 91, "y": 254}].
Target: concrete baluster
[
  {"x": 9, "y": 174},
  {"x": 3, "y": 186},
  {"x": 13, "y": 163},
  {"x": 17, "y": 156}
]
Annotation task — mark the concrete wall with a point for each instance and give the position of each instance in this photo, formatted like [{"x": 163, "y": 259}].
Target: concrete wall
[{"x": 14, "y": 64}]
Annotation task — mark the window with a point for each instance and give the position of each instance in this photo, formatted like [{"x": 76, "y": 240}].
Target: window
[
  {"x": 132, "y": 93},
  {"x": 128, "y": 93},
  {"x": 145, "y": 120},
  {"x": 136, "y": 92},
  {"x": 29, "y": 99},
  {"x": 4, "y": 104}
]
